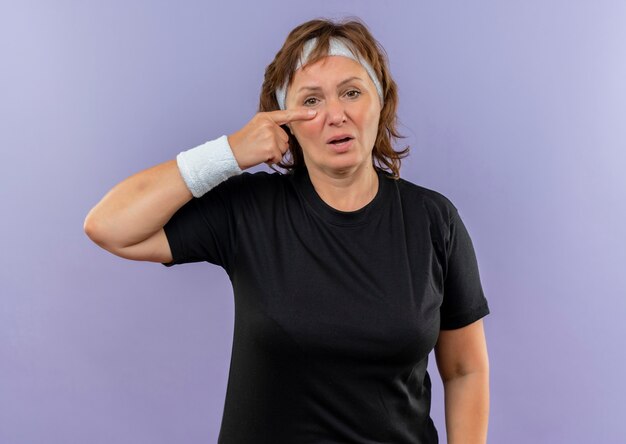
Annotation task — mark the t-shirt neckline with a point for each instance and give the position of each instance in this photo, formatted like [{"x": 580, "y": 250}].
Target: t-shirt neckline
[{"x": 337, "y": 217}]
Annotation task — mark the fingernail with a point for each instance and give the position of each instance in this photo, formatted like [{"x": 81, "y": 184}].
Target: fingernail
[{"x": 311, "y": 112}]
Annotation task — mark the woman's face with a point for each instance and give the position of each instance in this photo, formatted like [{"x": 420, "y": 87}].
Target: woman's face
[{"x": 347, "y": 104}]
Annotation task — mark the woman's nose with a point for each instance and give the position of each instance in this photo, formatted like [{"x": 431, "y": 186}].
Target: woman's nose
[{"x": 336, "y": 112}]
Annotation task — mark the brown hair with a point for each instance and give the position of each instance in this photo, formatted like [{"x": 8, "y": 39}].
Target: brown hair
[{"x": 355, "y": 32}]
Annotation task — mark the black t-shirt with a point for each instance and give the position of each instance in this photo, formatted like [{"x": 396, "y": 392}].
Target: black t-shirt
[{"x": 335, "y": 312}]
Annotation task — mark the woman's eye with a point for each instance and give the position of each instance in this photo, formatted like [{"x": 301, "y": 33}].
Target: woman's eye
[{"x": 352, "y": 94}]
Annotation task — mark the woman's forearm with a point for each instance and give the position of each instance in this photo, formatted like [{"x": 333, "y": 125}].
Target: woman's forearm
[
  {"x": 138, "y": 206},
  {"x": 467, "y": 408}
]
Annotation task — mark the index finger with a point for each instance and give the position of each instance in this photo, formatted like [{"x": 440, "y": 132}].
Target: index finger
[{"x": 282, "y": 116}]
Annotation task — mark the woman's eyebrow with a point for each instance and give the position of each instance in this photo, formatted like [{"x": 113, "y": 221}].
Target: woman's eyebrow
[{"x": 317, "y": 88}]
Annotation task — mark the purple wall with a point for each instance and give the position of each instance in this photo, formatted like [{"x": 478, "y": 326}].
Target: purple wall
[{"x": 516, "y": 112}]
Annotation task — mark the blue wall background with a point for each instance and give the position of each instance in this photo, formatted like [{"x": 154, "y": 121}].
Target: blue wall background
[{"x": 514, "y": 110}]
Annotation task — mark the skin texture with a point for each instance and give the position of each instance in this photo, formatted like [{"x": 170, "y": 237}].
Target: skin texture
[
  {"x": 262, "y": 139},
  {"x": 463, "y": 364},
  {"x": 346, "y": 181}
]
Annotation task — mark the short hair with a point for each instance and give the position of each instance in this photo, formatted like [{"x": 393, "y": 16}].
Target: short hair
[{"x": 283, "y": 69}]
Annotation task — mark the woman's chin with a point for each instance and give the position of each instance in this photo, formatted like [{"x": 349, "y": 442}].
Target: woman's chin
[{"x": 345, "y": 163}]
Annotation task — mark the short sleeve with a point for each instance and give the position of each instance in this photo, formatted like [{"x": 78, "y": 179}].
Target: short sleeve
[
  {"x": 205, "y": 228},
  {"x": 464, "y": 301}
]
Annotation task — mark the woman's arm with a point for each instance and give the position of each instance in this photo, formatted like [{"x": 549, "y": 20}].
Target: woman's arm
[
  {"x": 463, "y": 364},
  {"x": 128, "y": 220}
]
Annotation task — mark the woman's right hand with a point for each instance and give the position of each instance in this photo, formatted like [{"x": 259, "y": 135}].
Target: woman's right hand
[{"x": 262, "y": 139}]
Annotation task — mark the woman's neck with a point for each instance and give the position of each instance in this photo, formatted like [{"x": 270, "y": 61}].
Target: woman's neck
[{"x": 346, "y": 192}]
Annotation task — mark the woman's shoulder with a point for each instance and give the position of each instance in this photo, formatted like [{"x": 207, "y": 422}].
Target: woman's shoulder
[
  {"x": 264, "y": 176},
  {"x": 247, "y": 185},
  {"x": 251, "y": 180},
  {"x": 414, "y": 194}
]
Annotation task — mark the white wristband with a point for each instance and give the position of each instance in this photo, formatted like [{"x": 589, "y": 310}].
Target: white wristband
[{"x": 206, "y": 166}]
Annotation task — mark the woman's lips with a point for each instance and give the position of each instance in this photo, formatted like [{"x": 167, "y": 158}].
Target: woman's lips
[
  {"x": 341, "y": 147},
  {"x": 340, "y": 137}
]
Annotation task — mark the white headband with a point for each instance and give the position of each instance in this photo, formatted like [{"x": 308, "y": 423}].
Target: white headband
[{"x": 336, "y": 47}]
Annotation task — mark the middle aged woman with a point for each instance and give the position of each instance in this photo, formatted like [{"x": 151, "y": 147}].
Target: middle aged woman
[{"x": 345, "y": 276}]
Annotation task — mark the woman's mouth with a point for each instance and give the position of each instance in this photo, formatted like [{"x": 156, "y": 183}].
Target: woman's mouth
[{"x": 341, "y": 145}]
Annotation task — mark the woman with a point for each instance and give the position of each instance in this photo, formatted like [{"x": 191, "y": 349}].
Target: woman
[{"x": 345, "y": 276}]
